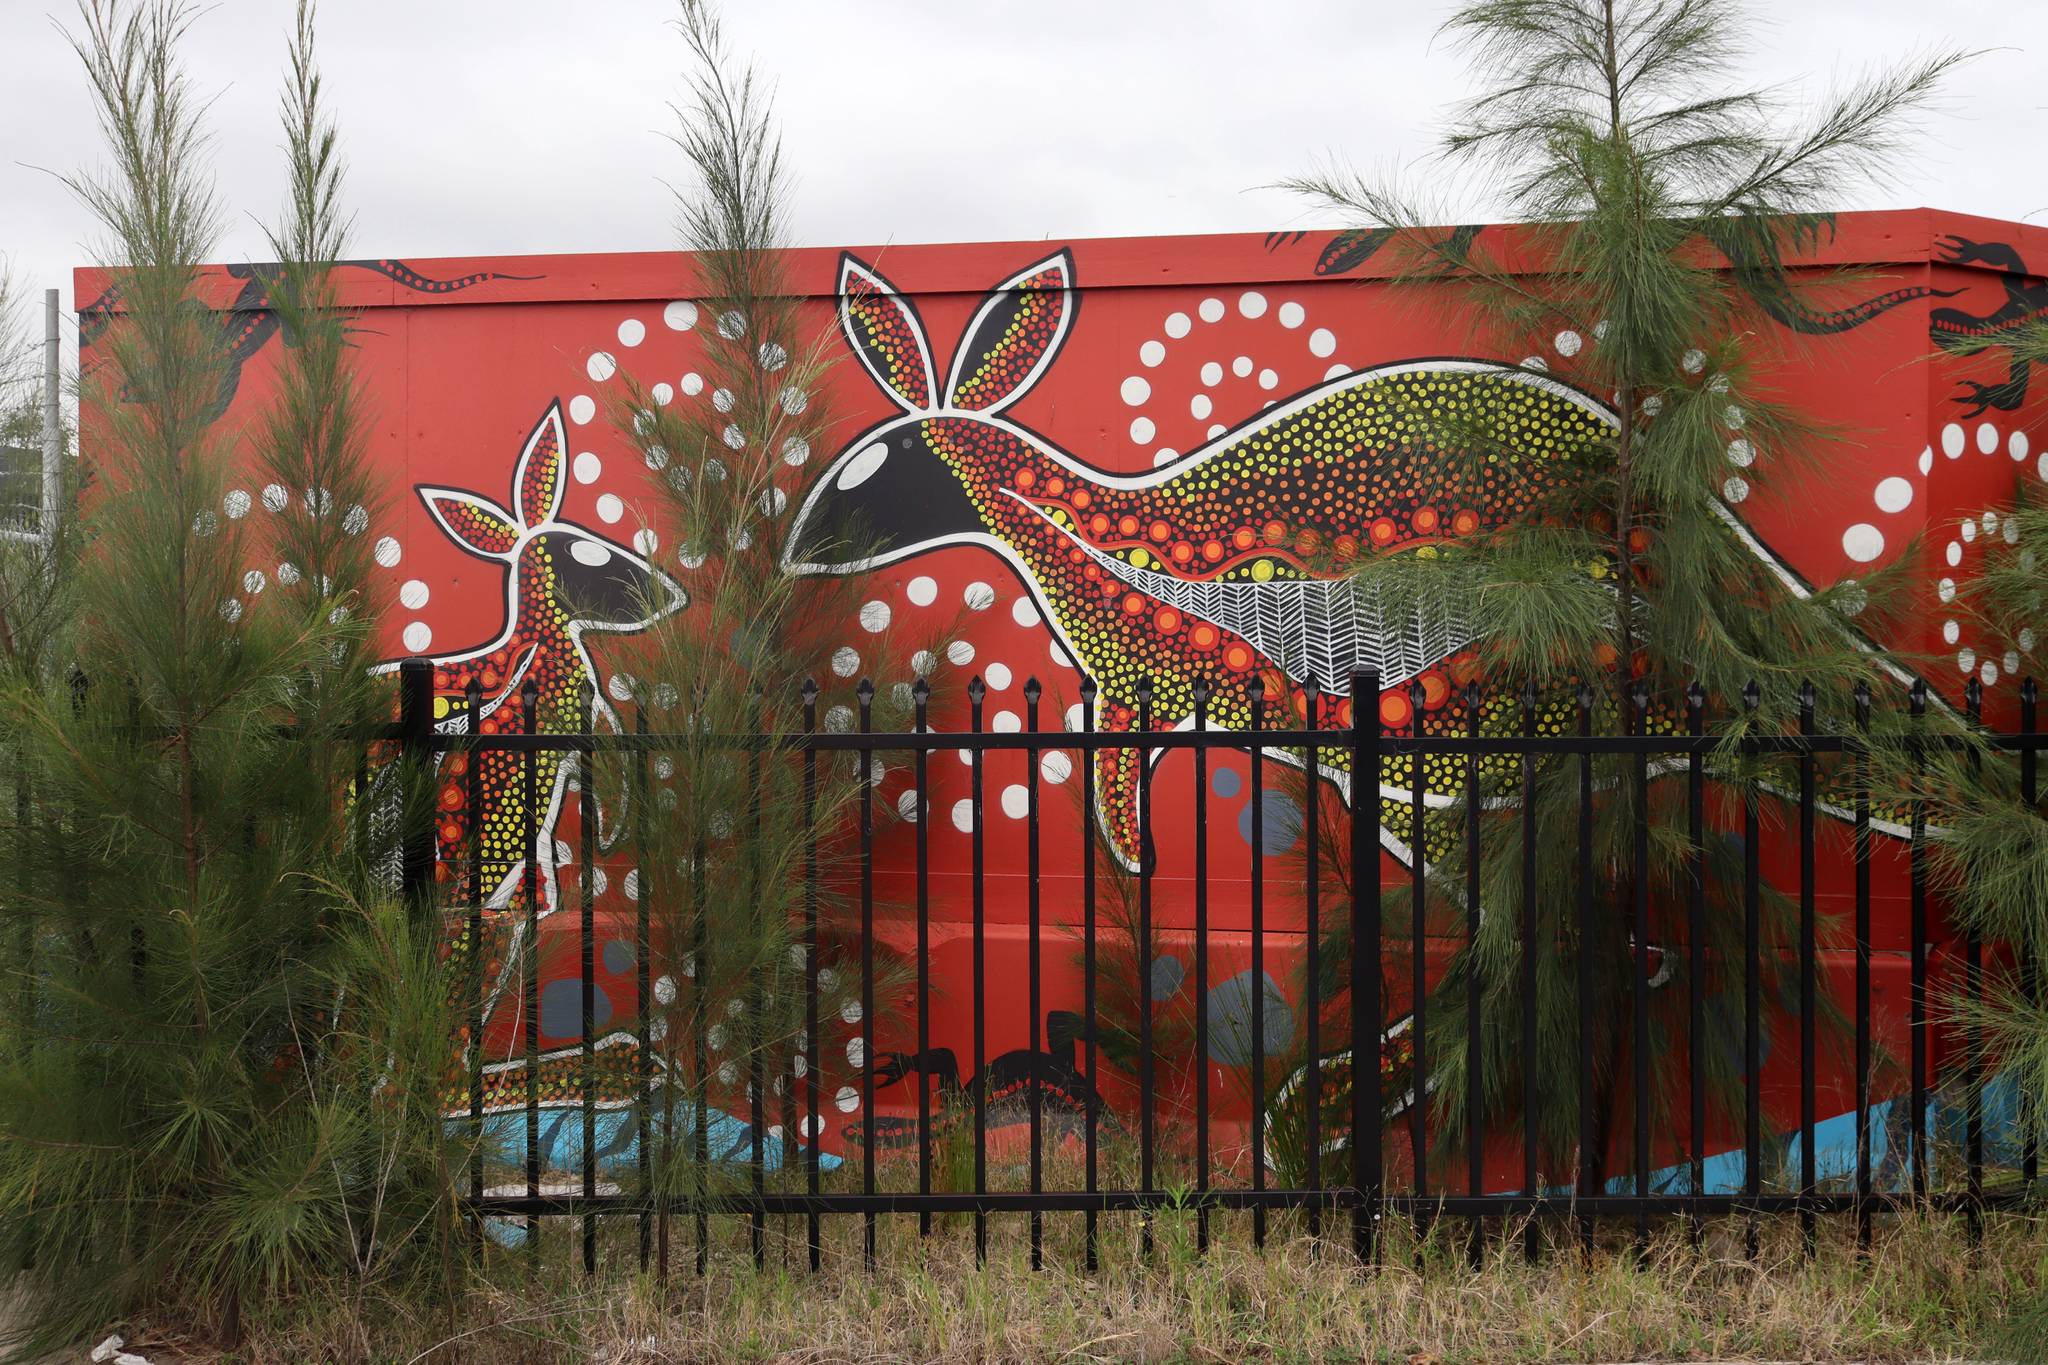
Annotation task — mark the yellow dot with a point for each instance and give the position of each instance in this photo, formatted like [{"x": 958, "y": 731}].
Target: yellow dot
[{"x": 1262, "y": 570}]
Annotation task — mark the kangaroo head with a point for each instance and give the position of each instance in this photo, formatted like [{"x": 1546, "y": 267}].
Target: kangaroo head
[
  {"x": 905, "y": 486},
  {"x": 566, "y": 579}
]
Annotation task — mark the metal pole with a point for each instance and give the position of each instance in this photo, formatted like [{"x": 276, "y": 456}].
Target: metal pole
[{"x": 53, "y": 429}]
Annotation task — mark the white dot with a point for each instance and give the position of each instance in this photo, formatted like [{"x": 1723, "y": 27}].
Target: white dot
[
  {"x": 1058, "y": 654},
  {"x": 253, "y": 581},
  {"x": 1056, "y": 767},
  {"x": 1989, "y": 673},
  {"x": 1863, "y": 542},
  {"x": 1178, "y": 325},
  {"x": 1987, "y": 438},
  {"x": 418, "y": 636},
  {"x": 1735, "y": 488},
  {"x": 1241, "y": 366},
  {"x": 582, "y": 409},
  {"x": 795, "y": 451},
  {"x": 1741, "y": 453},
  {"x": 1167, "y": 455},
  {"x": 1292, "y": 314},
  {"x": 1968, "y": 530},
  {"x": 645, "y": 541},
  {"x": 1200, "y": 406},
  {"x": 693, "y": 384},
  {"x": 1151, "y": 353},
  {"x": 848, "y": 1099},
  {"x": 1322, "y": 341},
  {"x": 978, "y": 596},
  {"x": 587, "y": 467},
  {"x": 2026, "y": 639},
  {"x": 906, "y": 805},
  {"x": 662, "y": 394},
  {"x": 632, "y": 332},
  {"x": 620, "y": 687},
  {"x": 2016, "y": 446},
  {"x": 601, "y": 366},
  {"x": 771, "y": 356},
  {"x": 1006, "y": 723},
  {"x": 1212, "y": 373},
  {"x": 235, "y": 504},
  {"x": 1016, "y": 802},
  {"x": 1966, "y": 659},
  {"x": 1142, "y": 430},
  {"x": 1927, "y": 460},
  {"x": 1894, "y": 495},
  {"x": 1073, "y": 719},
  {"x": 793, "y": 400},
  {"x": 681, "y": 315},
  {"x": 1568, "y": 343},
  {"x": 1335, "y": 371},
  {"x": 609, "y": 508},
  {"x": 1952, "y": 440},
  {"x": 1251, "y": 303},
  {"x": 1535, "y": 362},
  {"x": 997, "y": 676},
  {"x": 1211, "y": 310},
  {"x": 356, "y": 520},
  {"x": 1215, "y": 429},
  {"x": 1954, "y": 554},
  {"x": 963, "y": 815},
  {"x": 1693, "y": 361},
  {"x": 1135, "y": 390},
  {"x": 922, "y": 590},
  {"x": 722, "y": 399},
  {"x": 1946, "y": 589},
  {"x": 732, "y": 324},
  {"x": 1951, "y": 632},
  {"x": 846, "y": 661},
  {"x": 960, "y": 653},
  {"x": 413, "y": 594},
  {"x": 287, "y": 573},
  {"x": 856, "y": 1052},
  {"x": 1268, "y": 379},
  {"x": 275, "y": 497},
  {"x": 388, "y": 551},
  {"x": 1024, "y": 613},
  {"x": 874, "y": 617}
]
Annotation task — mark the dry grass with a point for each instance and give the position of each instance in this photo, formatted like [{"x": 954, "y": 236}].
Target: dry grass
[{"x": 1921, "y": 1295}]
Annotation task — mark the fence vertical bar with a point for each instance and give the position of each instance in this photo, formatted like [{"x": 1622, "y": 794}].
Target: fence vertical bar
[
  {"x": 1034, "y": 988},
  {"x": 700, "y": 1022},
  {"x": 1365, "y": 969},
  {"x": 529, "y": 697},
  {"x": 642, "y": 980},
  {"x": 1146, "y": 864},
  {"x": 1201, "y": 757},
  {"x": 473, "y": 801},
  {"x": 1696, "y": 950},
  {"x": 1639, "y": 976},
  {"x": 1418, "y": 962},
  {"x": 864, "y": 694},
  {"x": 1752, "y": 982},
  {"x": 586, "y": 819},
  {"x": 757, "y": 1032},
  {"x": 812, "y": 1168},
  {"x": 2030, "y": 982},
  {"x": 1256, "y": 693},
  {"x": 1973, "y": 1039},
  {"x": 1530, "y": 1084},
  {"x": 977, "y": 693},
  {"x": 1589, "y": 1153},
  {"x": 1088, "y": 855},
  {"x": 1862, "y": 779},
  {"x": 416, "y": 747},
  {"x": 1916, "y": 1023},
  {"x": 1475, "y": 1092},
  {"x": 1809, "y": 987},
  {"x": 920, "y": 698},
  {"x": 1312, "y": 711}
]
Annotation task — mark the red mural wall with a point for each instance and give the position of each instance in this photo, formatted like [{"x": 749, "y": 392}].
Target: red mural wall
[{"x": 1021, "y": 417}]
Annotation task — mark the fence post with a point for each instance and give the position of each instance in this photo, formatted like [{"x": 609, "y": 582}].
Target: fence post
[
  {"x": 1365, "y": 959},
  {"x": 415, "y": 748}
]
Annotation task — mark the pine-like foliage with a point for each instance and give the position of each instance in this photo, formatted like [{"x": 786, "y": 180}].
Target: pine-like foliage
[
  {"x": 1663, "y": 200},
  {"x": 746, "y": 848},
  {"x": 218, "y": 1063}
]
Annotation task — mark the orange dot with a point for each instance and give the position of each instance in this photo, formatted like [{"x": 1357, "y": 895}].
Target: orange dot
[
  {"x": 1127, "y": 525},
  {"x": 1382, "y": 531},
  {"x": 1082, "y": 497},
  {"x": 1133, "y": 604},
  {"x": 1435, "y": 687},
  {"x": 1394, "y": 709},
  {"x": 1276, "y": 531},
  {"x": 1605, "y": 654},
  {"x": 1306, "y": 542},
  {"x": 1237, "y": 656},
  {"x": 1347, "y": 546},
  {"x": 1167, "y": 620},
  {"x": 1160, "y": 531},
  {"x": 1243, "y": 537},
  {"x": 1426, "y": 519},
  {"x": 1025, "y": 478},
  {"x": 1055, "y": 486},
  {"x": 1099, "y": 525},
  {"x": 1204, "y": 635},
  {"x": 1638, "y": 541},
  {"x": 1212, "y": 550},
  {"x": 1465, "y": 522},
  {"x": 1182, "y": 552}
]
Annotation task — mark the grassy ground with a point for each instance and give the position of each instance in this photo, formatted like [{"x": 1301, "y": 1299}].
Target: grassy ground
[{"x": 1922, "y": 1294}]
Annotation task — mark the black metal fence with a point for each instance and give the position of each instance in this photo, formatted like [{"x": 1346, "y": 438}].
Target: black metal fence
[{"x": 1347, "y": 1172}]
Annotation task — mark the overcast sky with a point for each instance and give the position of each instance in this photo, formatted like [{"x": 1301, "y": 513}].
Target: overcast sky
[{"x": 481, "y": 126}]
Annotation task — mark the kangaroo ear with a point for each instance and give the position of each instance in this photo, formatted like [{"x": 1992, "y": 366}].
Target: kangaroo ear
[
  {"x": 1014, "y": 336},
  {"x": 886, "y": 333},
  {"x": 475, "y": 523},
  {"x": 537, "y": 483}
]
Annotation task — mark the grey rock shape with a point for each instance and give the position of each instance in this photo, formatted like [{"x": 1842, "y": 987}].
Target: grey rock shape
[{"x": 1230, "y": 1021}]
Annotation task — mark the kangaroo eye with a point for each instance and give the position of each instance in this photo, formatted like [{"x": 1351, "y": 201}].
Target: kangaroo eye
[
  {"x": 862, "y": 467},
  {"x": 590, "y": 552}
]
